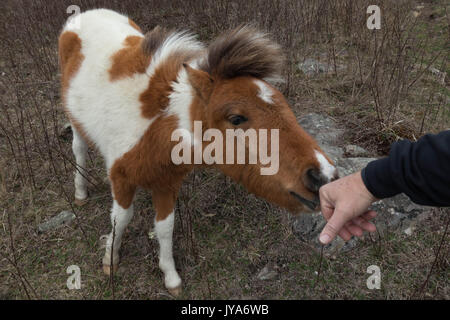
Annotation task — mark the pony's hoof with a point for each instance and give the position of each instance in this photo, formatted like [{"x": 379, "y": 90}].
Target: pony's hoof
[
  {"x": 107, "y": 268},
  {"x": 80, "y": 202},
  {"x": 175, "y": 291}
]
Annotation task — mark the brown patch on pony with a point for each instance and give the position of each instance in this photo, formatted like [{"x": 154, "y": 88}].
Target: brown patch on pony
[
  {"x": 129, "y": 60},
  {"x": 70, "y": 59},
  {"x": 123, "y": 190},
  {"x": 148, "y": 164},
  {"x": 164, "y": 203},
  {"x": 243, "y": 51},
  {"x": 134, "y": 25}
]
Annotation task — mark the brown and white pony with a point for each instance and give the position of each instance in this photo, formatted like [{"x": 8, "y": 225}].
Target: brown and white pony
[{"x": 126, "y": 92}]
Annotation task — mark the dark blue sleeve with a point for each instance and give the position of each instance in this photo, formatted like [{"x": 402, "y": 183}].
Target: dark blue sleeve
[{"x": 419, "y": 169}]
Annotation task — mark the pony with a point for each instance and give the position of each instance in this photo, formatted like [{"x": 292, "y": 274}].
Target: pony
[{"x": 125, "y": 92}]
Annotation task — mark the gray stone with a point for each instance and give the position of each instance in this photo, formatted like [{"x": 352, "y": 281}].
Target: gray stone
[
  {"x": 396, "y": 213},
  {"x": 63, "y": 218},
  {"x": 352, "y": 150},
  {"x": 325, "y": 131},
  {"x": 440, "y": 75},
  {"x": 312, "y": 67},
  {"x": 267, "y": 273}
]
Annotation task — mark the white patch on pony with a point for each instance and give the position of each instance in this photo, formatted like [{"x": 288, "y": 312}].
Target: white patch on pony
[
  {"x": 110, "y": 112},
  {"x": 265, "y": 92},
  {"x": 120, "y": 218},
  {"x": 164, "y": 232},
  {"x": 180, "y": 101},
  {"x": 326, "y": 168}
]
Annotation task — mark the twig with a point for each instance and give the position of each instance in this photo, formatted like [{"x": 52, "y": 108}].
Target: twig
[
  {"x": 320, "y": 267},
  {"x": 14, "y": 263},
  {"x": 422, "y": 287},
  {"x": 111, "y": 265}
]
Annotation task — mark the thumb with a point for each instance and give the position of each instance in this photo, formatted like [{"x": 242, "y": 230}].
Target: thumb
[{"x": 332, "y": 228}]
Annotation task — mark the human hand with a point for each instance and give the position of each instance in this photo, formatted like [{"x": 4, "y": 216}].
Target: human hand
[{"x": 344, "y": 204}]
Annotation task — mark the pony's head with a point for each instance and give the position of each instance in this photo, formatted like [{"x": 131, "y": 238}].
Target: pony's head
[{"x": 233, "y": 91}]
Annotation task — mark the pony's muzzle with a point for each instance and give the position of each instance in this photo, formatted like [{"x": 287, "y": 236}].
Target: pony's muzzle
[{"x": 313, "y": 205}]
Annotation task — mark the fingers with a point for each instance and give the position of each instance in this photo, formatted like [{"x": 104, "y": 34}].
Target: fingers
[
  {"x": 364, "y": 224},
  {"x": 354, "y": 227},
  {"x": 326, "y": 209},
  {"x": 333, "y": 227},
  {"x": 369, "y": 215},
  {"x": 345, "y": 234},
  {"x": 358, "y": 225}
]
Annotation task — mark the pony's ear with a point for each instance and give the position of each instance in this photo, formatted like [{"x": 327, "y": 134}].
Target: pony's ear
[{"x": 201, "y": 81}]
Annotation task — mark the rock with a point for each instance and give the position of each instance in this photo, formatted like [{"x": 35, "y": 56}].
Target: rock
[
  {"x": 408, "y": 231},
  {"x": 396, "y": 213},
  {"x": 63, "y": 218},
  {"x": 352, "y": 150},
  {"x": 325, "y": 131},
  {"x": 311, "y": 67},
  {"x": 350, "y": 165},
  {"x": 267, "y": 273},
  {"x": 440, "y": 75}
]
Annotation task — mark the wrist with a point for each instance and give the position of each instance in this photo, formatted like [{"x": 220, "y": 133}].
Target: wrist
[{"x": 363, "y": 187}]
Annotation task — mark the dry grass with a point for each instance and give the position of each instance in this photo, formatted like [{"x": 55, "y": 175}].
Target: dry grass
[{"x": 379, "y": 86}]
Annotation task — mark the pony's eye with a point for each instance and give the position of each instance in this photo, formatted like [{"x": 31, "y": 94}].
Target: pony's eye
[{"x": 237, "y": 119}]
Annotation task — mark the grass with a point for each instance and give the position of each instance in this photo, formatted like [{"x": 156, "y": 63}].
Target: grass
[{"x": 224, "y": 236}]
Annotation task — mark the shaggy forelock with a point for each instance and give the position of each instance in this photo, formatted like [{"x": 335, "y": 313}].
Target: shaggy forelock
[{"x": 244, "y": 51}]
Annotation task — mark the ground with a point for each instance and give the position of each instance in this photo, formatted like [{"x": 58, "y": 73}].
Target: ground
[{"x": 378, "y": 87}]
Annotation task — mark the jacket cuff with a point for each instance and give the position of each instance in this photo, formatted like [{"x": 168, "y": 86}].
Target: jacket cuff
[{"x": 379, "y": 180}]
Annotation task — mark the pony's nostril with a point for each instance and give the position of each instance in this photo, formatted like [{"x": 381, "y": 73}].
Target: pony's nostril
[{"x": 313, "y": 180}]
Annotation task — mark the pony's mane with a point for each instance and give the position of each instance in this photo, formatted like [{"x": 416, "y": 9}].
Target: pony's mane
[
  {"x": 243, "y": 51},
  {"x": 162, "y": 44},
  {"x": 154, "y": 39}
]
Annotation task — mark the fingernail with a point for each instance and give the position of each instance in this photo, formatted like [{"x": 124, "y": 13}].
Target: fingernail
[{"x": 324, "y": 238}]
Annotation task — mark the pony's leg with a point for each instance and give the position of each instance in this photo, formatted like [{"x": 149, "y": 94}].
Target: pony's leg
[
  {"x": 122, "y": 211},
  {"x": 120, "y": 217},
  {"x": 80, "y": 148},
  {"x": 164, "y": 203}
]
